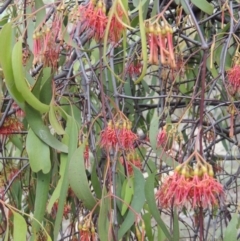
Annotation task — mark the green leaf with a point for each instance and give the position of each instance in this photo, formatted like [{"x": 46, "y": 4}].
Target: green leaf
[
  {"x": 127, "y": 194},
  {"x": 78, "y": 179},
  {"x": 148, "y": 227},
  {"x": 136, "y": 204},
  {"x": 161, "y": 235},
  {"x": 6, "y": 63},
  {"x": 204, "y": 6},
  {"x": 71, "y": 137},
  {"x": 56, "y": 193},
  {"x": 38, "y": 153},
  {"x": 20, "y": 80},
  {"x": 103, "y": 221},
  {"x": 175, "y": 226},
  {"x": 150, "y": 198},
  {"x": 35, "y": 122},
  {"x": 40, "y": 12},
  {"x": 95, "y": 182},
  {"x": 54, "y": 122},
  {"x": 232, "y": 229},
  {"x": 43, "y": 183},
  {"x": 19, "y": 227}
]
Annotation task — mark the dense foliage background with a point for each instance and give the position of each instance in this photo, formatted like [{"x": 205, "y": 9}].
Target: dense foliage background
[{"x": 119, "y": 120}]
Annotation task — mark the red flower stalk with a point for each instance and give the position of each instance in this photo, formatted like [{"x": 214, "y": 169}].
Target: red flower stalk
[
  {"x": 10, "y": 126},
  {"x": 234, "y": 76},
  {"x": 86, "y": 156}
]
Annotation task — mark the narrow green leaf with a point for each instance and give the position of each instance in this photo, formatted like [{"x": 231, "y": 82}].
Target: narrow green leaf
[
  {"x": 38, "y": 153},
  {"x": 20, "y": 80},
  {"x": 6, "y": 63},
  {"x": 57, "y": 191},
  {"x": 232, "y": 228},
  {"x": 6, "y": 237},
  {"x": 149, "y": 192},
  {"x": 40, "y": 12},
  {"x": 161, "y": 235},
  {"x": 103, "y": 222},
  {"x": 78, "y": 179},
  {"x": 204, "y": 6},
  {"x": 34, "y": 120},
  {"x": 175, "y": 226},
  {"x": 143, "y": 42},
  {"x": 71, "y": 137},
  {"x": 19, "y": 227},
  {"x": 136, "y": 204},
  {"x": 127, "y": 195},
  {"x": 95, "y": 182},
  {"x": 54, "y": 122},
  {"x": 43, "y": 183},
  {"x": 148, "y": 227}
]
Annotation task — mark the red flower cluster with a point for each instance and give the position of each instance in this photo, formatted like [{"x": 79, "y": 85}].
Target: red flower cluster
[
  {"x": 118, "y": 135},
  {"x": 166, "y": 136},
  {"x": 10, "y": 126},
  {"x": 160, "y": 39},
  {"x": 47, "y": 42},
  {"x": 132, "y": 159},
  {"x": 234, "y": 76},
  {"x": 93, "y": 16},
  {"x": 134, "y": 69},
  {"x": 190, "y": 188},
  {"x": 87, "y": 231}
]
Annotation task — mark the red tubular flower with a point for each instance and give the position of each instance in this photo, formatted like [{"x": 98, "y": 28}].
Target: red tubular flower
[
  {"x": 234, "y": 76},
  {"x": 108, "y": 136},
  {"x": 174, "y": 191},
  {"x": 116, "y": 27},
  {"x": 100, "y": 21},
  {"x": 37, "y": 47},
  {"x": 87, "y": 232},
  {"x": 126, "y": 136}
]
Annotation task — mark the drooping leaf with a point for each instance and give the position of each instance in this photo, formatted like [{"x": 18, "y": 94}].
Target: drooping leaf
[
  {"x": 137, "y": 202},
  {"x": 175, "y": 226},
  {"x": 19, "y": 227},
  {"x": 54, "y": 122},
  {"x": 38, "y": 153},
  {"x": 57, "y": 191},
  {"x": 232, "y": 228},
  {"x": 204, "y": 6},
  {"x": 149, "y": 193},
  {"x": 72, "y": 141},
  {"x": 148, "y": 227},
  {"x": 95, "y": 181},
  {"x": 6, "y": 63},
  {"x": 127, "y": 194},
  {"x": 43, "y": 183},
  {"x": 20, "y": 80},
  {"x": 34, "y": 120},
  {"x": 103, "y": 222},
  {"x": 78, "y": 179}
]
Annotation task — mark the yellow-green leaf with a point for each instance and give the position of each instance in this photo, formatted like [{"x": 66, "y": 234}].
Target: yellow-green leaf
[{"x": 19, "y": 227}]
